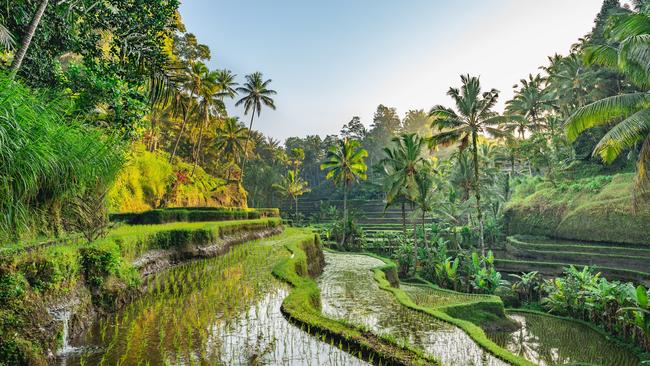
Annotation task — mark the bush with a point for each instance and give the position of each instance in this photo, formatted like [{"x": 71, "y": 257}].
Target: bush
[
  {"x": 197, "y": 214},
  {"x": 98, "y": 263}
]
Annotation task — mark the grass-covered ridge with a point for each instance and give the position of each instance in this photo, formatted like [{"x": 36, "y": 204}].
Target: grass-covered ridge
[
  {"x": 302, "y": 306},
  {"x": 102, "y": 275},
  {"x": 459, "y": 310},
  {"x": 597, "y": 208}
]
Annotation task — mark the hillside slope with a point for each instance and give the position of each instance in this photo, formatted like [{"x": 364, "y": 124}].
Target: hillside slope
[{"x": 598, "y": 209}]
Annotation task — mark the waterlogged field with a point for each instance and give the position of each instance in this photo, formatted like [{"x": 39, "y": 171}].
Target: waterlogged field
[
  {"x": 547, "y": 341},
  {"x": 349, "y": 292},
  {"x": 222, "y": 311},
  {"x": 432, "y": 297}
]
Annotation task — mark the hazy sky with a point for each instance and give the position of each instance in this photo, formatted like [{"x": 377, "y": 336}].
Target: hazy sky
[{"x": 334, "y": 59}]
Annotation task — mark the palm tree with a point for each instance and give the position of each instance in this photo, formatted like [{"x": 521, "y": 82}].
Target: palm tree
[
  {"x": 529, "y": 101},
  {"x": 211, "y": 104},
  {"x": 230, "y": 140},
  {"x": 293, "y": 186},
  {"x": 474, "y": 116},
  {"x": 227, "y": 84},
  {"x": 184, "y": 102},
  {"x": 256, "y": 93},
  {"x": 345, "y": 163},
  {"x": 424, "y": 198},
  {"x": 403, "y": 158},
  {"x": 27, "y": 39},
  {"x": 626, "y": 52}
]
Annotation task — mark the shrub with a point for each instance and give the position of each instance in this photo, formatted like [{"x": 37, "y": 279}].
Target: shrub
[{"x": 98, "y": 263}]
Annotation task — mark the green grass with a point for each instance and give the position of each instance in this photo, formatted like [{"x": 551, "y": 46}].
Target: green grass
[
  {"x": 598, "y": 209},
  {"x": 548, "y": 244}
]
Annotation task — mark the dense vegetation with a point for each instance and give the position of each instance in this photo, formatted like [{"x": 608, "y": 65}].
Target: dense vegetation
[{"x": 110, "y": 117}]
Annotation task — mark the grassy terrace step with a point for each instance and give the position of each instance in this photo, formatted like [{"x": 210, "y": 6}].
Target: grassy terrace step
[
  {"x": 387, "y": 274},
  {"x": 542, "y": 243},
  {"x": 555, "y": 269},
  {"x": 302, "y": 306}
]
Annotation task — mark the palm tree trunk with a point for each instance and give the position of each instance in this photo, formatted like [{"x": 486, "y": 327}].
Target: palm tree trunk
[
  {"x": 198, "y": 149},
  {"x": 415, "y": 246},
  {"x": 424, "y": 231},
  {"x": 250, "y": 130},
  {"x": 178, "y": 138},
  {"x": 345, "y": 211},
  {"x": 404, "y": 218},
  {"x": 296, "y": 201},
  {"x": 27, "y": 39},
  {"x": 477, "y": 192}
]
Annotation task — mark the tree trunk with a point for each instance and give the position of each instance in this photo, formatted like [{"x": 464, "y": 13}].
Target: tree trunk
[
  {"x": 424, "y": 231},
  {"x": 415, "y": 246},
  {"x": 477, "y": 192},
  {"x": 27, "y": 39},
  {"x": 296, "y": 201},
  {"x": 345, "y": 212},
  {"x": 250, "y": 130},
  {"x": 404, "y": 218},
  {"x": 178, "y": 138},
  {"x": 198, "y": 148}
]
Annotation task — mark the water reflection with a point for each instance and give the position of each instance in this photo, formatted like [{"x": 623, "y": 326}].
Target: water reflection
[
  {"x": 551, "y": 341},
  {"x": 349, "y": 292}
]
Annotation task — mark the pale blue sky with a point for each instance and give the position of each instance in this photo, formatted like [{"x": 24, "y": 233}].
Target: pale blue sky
[{"x": 333, "y": 59}]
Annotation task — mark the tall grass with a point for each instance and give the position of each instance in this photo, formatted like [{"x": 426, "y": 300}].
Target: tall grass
[{"x": 46, "y": 156}]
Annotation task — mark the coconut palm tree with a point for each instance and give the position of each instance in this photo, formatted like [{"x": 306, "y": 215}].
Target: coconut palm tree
[
  {"x": 474, "y": 116},
  {"x": 293, "y": 186},
  {"x": 27, "y": 38},
  {"x": 227, "y": 84},
  {"x": 402, "y": 159},
  {"x": 230, "y": 140},
  {"x": 530, "y": 101},
  {"x": 185, "y": 102},
  {"x": 424, "y": 184},
  {"x": 626, "y": 51},
  {"x": 256, "y": 94},
  {"x": 345, "y": 164},
  {"x": 210, "y": 105}
]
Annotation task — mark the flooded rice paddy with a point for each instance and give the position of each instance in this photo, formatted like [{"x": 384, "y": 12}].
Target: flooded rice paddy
[
  {"x": 227, "y": 311},
  {"x": 223, "y": 311},
  {"x": 547, "y": 341},
  {"x": 349, "y": 292}
]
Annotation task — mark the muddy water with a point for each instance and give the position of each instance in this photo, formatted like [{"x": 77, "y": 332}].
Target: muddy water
[
  {"x": 223, "y": 311},
  {"x": 549, "y": 341},
  {"x": 349, "y": 292}
]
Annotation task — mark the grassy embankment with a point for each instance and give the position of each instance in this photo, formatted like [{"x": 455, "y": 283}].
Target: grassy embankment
[
  {"x": 95, "y": 277},
  {"x": 302, "y": 306},
  {"x": 597, "y": 209},
  {"x": 466, "y": 312}
]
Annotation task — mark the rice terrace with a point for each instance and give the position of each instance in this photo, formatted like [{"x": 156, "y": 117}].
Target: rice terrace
[{"x": 308, "y": 183}]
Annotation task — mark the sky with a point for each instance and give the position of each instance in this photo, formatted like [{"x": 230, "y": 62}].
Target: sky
[{"x": 331, "y": 60}]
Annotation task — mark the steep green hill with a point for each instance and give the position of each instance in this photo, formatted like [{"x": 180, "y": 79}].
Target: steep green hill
[{"x": 598, "y": 209}]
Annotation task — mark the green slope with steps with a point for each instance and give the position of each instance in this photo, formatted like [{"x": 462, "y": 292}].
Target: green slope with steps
[{"x": 624, "y": 262}]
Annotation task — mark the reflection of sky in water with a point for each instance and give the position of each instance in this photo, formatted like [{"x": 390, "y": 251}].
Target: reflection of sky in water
[
  {"x": 549, "y": 341},
  {"x": 264, "y": 332},
  {"x": 349, "y": 291}
]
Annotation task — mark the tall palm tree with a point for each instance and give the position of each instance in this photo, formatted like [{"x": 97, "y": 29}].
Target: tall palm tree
[
  {"x": 185, "y": 97},
  {"x": 256, "y": 94},
  {"x": 210, "y": 105},
  {"x": 424, "y": 184},
  {"x": 227, "y": 84},
  {"x": 27, "y": 38},
  {"x": 474, "y": 116},
  {"x": 530, "y": 100},
  {"x": 403, "y": 158},
  {"x": 627, "y": 52},
  {"x": 345, "y": 164},
  {"x": 230, "y": 140}
]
